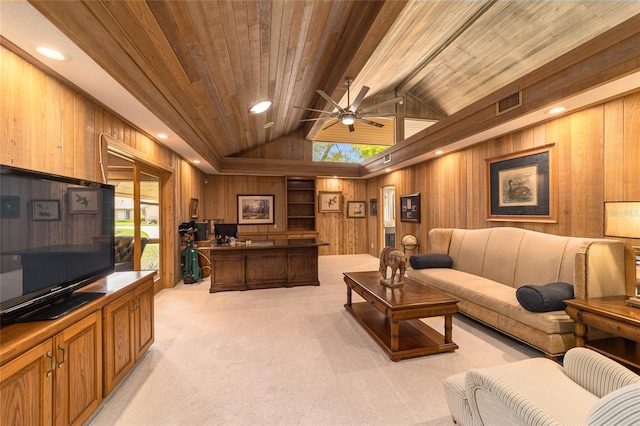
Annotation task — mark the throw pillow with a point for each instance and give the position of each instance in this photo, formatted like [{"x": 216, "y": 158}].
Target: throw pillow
[
  {"x": 430, "y": 260},
  {"x": 544, "y": 298}
]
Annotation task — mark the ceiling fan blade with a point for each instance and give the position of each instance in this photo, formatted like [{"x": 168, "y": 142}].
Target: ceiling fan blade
[
  {"x": 372, "y": 123},
  {"x": 373, "y": 114},
  {"x": 351, "y": 128},
  {"x": 315, "y": 110},
  {"x": 327, "y": 97},
  {"x": 332, "y": 124},
  {"x": 314, "y": 119},
  {"x": 387, "y": 102},
  {"x": 358, "y": 100}
]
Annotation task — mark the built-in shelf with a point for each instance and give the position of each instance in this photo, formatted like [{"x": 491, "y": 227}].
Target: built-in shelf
[{"x": 301, "y": 204}]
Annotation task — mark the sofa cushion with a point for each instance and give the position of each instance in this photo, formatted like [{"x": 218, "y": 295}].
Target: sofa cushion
[
  {"x": 491, "y": 295},
  {"x": 430, "y": 260},
  {"x": 544, "y": 298}
]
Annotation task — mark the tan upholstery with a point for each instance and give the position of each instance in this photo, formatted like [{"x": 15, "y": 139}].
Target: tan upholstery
[{"x": 490, "y": 264}]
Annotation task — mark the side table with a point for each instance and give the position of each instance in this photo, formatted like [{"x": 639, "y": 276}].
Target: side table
[{"x": 612, "y": 315}]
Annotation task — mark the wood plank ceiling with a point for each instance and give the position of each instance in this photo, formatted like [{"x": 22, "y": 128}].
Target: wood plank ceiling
[{"x": 200, "y": 65}]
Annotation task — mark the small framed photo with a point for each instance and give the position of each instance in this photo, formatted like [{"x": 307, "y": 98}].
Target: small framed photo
[
  {"x": 193, "y": 208},
  {"x": 329, "y": 202},
  {"x": 356, "y": 209},
  {"x": 373, "y": 207},
  {"x": 45, "y": 209},
  {"x": 9, "y": 207},
  {"x": 410, "y": 208},
  {"x": 83, "y": 200},
  {"x": 255, "y": 209}
]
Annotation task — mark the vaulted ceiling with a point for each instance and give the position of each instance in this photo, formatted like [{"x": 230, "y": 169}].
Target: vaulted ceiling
[{"x": 200, "y": 65}]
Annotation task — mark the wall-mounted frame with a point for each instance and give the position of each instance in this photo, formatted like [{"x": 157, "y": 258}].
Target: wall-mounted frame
[
  {"x": 83, "y": 200},
  {"x": 45, "y": 209},
  {"x": 520, "y": 187},
  {"x": 356, "y": 209},
  {"x": 255, "y": 209},
  {"x": 193, "y": 208},
  {"x": 373, "y": 207},
  {"x": 329, "y": 202},
  {"x": 410, "y": 208},
  {"x": 9, "y": 207}
]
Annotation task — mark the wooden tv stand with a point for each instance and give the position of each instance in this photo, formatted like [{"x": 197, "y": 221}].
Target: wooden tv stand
[{"x": 60, "y": 371}]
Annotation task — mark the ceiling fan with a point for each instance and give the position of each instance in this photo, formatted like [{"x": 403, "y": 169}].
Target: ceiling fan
[{"x": 349, "y": 115}]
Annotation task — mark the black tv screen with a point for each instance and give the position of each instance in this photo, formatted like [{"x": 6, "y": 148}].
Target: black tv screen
[{"x": 56, "y": 236}]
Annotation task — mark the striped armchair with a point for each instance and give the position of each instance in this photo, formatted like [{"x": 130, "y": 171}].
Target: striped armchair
[{"x": 589, "y": 389}]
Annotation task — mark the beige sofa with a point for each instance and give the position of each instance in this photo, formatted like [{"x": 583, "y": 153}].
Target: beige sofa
[
  {"x": 589, "y": 389},
  {"x": 489, "y": 265}
]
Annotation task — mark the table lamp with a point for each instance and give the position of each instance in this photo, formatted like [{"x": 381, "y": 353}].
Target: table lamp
[{"x": 622, "y": 219}]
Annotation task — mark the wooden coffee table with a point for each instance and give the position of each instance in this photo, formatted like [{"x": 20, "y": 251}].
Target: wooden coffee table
[{"x": 392, "y": 315}]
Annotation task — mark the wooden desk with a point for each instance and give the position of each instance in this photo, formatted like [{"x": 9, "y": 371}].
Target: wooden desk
[
  {"x": 264, "y": 264},
  {"x": 612, "y": 315}
]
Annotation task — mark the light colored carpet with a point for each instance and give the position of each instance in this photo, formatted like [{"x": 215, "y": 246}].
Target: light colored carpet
[{"x": 290, "y": 356}]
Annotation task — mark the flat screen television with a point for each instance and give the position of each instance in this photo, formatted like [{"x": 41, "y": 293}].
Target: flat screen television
[{"x": 56, "y": 236}]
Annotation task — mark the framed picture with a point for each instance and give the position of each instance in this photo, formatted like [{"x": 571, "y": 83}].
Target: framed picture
[
  {"x": 255, "y": 209},
  {"x": 193, "y": 208},
  {"x": 9, "y": 207},
  {"x": 329, "y": 202},
  {"x": 373, "y": 207},
  {"x": 45, "y": 210},
  {"x": 356, "y": 209},
  {"x": 83, "y": 200},
  {"x": 520, "y": 187},
  {"x": 410, "y": 208}
]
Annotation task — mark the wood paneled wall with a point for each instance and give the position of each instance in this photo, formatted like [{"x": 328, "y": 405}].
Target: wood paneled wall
[
  {"x": 51, "y": 127},
  {"x": 597, "y": 159}
]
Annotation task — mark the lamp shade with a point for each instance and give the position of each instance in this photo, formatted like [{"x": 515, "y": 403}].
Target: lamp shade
[{"x": 622, "y": 219}]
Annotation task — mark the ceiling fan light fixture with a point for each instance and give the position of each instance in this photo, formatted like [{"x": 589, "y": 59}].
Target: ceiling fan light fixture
[
  {"x": 348, "y": 119},
  {"x": 261, "y": 106}
]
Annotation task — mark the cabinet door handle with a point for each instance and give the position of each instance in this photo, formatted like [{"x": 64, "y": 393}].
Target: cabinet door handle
[
  {"x": 64, "y": 355},
  {"x": 52, "y": 364}
]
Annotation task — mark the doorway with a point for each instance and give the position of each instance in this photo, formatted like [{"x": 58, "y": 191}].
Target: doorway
[
  {"x": 137, "y": 214},
  {"x": 389, "y": 216}
]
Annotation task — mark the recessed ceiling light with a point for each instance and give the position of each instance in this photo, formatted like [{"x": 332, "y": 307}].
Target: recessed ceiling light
[
  {"x": 261, "y": 106},
  {"x": 162, "y": 136},
  {"x": 439, "y": 152},
  {"x": 387, "y": 170},
  {"x": 557, "y": 110},
  {"x": 50, "y": 53},
  {"x": 196, "y": 161}
]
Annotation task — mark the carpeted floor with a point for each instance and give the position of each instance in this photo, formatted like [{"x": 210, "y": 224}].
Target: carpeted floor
[{"x": 290, "y": 356}]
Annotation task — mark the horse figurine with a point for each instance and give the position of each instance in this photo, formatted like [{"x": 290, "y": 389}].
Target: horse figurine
[{"x": 397, "y": 261}]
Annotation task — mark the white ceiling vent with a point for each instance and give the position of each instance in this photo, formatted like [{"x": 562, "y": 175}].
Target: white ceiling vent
[
  {"x": 509, "y": 103},
  {"x": 387, "y": 159}
]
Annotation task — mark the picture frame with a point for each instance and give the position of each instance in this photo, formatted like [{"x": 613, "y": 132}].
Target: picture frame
[
  {"x": 329, "y": 202},
  {"x": 256, "y": 209},
  {"x": 193, "y": 208},
  {"x": 373, "y": 207},
  {"x": 356, "y": 209},
  {"x": 45, "y": 210},
  {"x": 410, "y": 208},
  {"x": 9, "y": 206},
  {"x": 520, "y": 187},
  {"x": 83, "y": 200}
]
